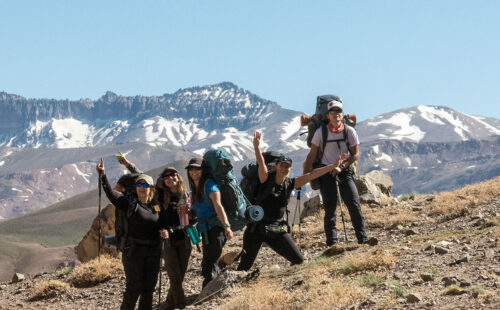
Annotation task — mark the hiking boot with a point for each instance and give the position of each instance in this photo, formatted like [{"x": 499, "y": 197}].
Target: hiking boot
[
  {"x": 372, "y": 241},
  {"x": 331, "y": 242}
]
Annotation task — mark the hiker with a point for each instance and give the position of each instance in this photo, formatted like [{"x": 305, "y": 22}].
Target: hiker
[
  {"x": 141, "y": 254},
  {"x": 274, "y": 193},
  {"x": 336, "y": 145},
  {"x": 213, "y": 223},
  {"x": 174, "y": 200}
]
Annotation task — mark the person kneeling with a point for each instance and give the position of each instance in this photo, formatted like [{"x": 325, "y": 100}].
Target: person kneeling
[{"x": 274, "y": 194}]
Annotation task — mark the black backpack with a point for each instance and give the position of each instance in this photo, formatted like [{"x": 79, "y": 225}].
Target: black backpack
[
  {"x": 121, "y": 216},
  {"x": 250, "y": 183}
]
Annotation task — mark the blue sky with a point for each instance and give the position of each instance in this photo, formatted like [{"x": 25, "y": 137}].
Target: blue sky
[{"x": 378, "y": 56}]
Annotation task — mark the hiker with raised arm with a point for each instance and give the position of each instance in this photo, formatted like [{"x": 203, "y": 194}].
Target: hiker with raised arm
[
  {"x": 145, "y": 229},
  {"x": 274, "y": 194},
  {"x": 331, "y": 140},
  {"x": 213, "y": 223},
  {"x": 174, "y": 199}
]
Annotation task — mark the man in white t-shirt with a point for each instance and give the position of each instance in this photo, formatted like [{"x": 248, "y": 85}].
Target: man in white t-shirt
[{"x": 341, "y": 139}]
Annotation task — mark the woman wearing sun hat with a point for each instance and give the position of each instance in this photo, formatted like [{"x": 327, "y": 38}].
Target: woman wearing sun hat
[{"x": 213, "y": 223}]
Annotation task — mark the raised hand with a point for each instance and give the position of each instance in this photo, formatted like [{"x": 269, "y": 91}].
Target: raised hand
[
  {"x": 100, "y": 168},
  {"x": 122, "y": 159},
  {"x": 256, "y": 139}
]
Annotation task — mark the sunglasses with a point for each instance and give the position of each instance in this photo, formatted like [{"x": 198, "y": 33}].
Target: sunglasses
[
  {"x": 145, "y": 185},
  {"x": 332, "y": 111},
  {"x": 170, "y": 176},
  {"x": 194, "y": 168}
]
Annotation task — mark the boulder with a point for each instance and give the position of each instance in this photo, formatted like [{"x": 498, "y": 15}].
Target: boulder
[
  {"x": 87, "y": 248},
  {"x": 18, "y": 277},
  {"x": 223, "y": 280},
  {"x": 381, "y": 180},
  {"x": 373, "y": 186},
  {"x": 311, "y": 206}
]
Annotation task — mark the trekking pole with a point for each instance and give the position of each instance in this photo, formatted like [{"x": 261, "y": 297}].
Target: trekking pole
[
  {"x": 99, "y": 221},
  {"x": 341, "y": 209},
  {"x": 159, "y": 274},
  {"x": 297, "y": 210}
]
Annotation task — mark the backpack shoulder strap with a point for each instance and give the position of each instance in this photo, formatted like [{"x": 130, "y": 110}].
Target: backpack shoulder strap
[
  {"x": 346, "y": 139},
  {"x": 206, "y": 198},
  {"x": 324, "y": 138}
]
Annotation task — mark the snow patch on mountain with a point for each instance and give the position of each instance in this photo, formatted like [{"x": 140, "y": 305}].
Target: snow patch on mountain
[
  {"x": 434, "y": 114},
  {"x": 404, "y": 129},
  {"x": 385, "y": 157},
  {"x": 492, "y": 129},
  {"x": 83, "y": 175}
]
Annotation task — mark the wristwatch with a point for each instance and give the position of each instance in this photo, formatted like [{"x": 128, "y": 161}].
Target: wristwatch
[
  {"x": 227, "y": 225},
  {"x": 342, "y": 166}
]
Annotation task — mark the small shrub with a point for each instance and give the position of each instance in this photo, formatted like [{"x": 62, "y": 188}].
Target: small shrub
[
  {"x": 433, "y": 270},
  {"x": 370, "y": 280},
  {"x": 365, "y": 262},
  {"x": 94, "y": 272},
  {"x": 64, "y": 272},
  {"x": 453, "y": 290},
  {"x": 49, "y": 289},
  {"x": 479, "y": 289},
  {"x": 404, "y": 197},
  {"x": 398, "y": 292}
]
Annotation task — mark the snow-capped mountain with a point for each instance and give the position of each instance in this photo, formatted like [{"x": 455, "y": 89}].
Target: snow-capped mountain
[
  {"x": 48, "y": 148},
  {"x": 427, "y": 124}
]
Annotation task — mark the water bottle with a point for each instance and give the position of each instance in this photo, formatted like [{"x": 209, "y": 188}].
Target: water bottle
[{"x": 183, "y": 210}]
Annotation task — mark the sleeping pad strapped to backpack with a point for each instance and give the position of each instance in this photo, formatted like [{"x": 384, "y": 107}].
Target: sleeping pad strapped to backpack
[
  {"x": 217, "y": 164},
  {"x": 250, "y": 183}
]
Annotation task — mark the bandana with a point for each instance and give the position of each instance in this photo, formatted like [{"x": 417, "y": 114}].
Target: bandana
[{"x": 341, "y": 128}]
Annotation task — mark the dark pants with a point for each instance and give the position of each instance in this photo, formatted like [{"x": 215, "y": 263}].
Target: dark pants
[
  {"x": 176, "y": 255},
  {"x": 281, "y": 243},
  {"x": 213, "y": 242},
  {"x": 141, "y": 265},
  {"x": 350, "y": 198}
]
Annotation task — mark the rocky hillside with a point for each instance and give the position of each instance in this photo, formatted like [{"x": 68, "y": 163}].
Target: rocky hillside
[{"x": 434, "y": 251}]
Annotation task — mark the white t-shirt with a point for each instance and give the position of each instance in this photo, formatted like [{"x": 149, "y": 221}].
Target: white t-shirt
[{"x": 332, "y": 152}]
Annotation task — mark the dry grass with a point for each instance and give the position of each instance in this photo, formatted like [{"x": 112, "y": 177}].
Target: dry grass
[
  {"x": 49, "y": 289},
  {"x": 319, "y": 284},
  {"x": 457, "y": 203},
  {"x": 367, "y": 261},
  {"x": 388, "y": 217},
  {"x": 94, "y": 272},
  {"x": 319, "y": 291}
]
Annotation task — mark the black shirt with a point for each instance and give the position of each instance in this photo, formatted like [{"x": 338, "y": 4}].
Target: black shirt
[
  {"x": 273, "y": 198},
  {"x": 144, "y": 222}
]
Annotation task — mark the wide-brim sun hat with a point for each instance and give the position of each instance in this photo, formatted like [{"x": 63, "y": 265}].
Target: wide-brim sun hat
[{"x": 195, "y": 163}]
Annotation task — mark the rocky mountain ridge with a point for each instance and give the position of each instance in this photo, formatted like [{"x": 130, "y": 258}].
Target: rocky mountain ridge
[{"x": 48, "y": 147}]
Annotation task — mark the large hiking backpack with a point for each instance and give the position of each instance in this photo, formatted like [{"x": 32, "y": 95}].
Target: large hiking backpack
[
  {"x": 250, "y": 183},
  {"x": 217, "y": 164},
  {"x": 121, "y": 216},
  {"x": 314, "y": 122},
  {"x": 320, "y": 120}
]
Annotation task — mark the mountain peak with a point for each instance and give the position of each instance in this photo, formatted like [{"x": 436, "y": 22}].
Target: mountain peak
[{"x": 425, "y": 123}]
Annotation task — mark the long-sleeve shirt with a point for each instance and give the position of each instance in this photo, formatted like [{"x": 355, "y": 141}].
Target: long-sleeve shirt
[{"x": 146, "y": 219}]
